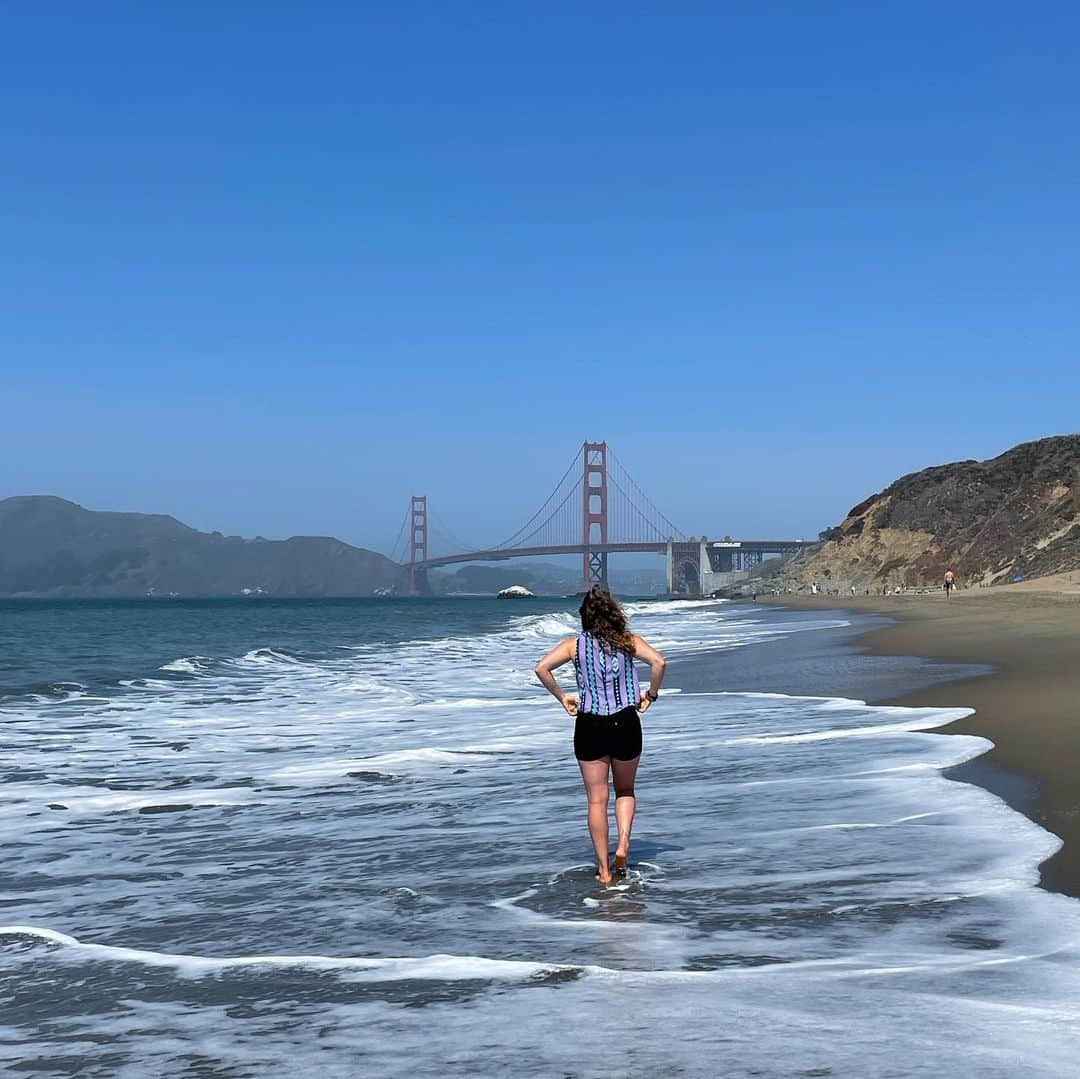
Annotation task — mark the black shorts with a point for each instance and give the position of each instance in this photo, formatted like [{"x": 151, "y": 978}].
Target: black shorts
[{"x": 617, "y": 735}]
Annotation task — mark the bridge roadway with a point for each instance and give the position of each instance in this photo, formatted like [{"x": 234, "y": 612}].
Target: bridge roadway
[{"x": 502, "y": 555}]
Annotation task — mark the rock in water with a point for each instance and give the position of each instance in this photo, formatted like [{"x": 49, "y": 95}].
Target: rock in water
[{"x": 515, "y": 591}]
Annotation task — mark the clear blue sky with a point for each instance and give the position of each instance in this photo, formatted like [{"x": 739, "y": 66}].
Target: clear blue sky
[{"x": 274, "y": 267}]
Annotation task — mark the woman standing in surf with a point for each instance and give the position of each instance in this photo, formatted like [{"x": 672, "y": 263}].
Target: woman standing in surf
[{"x": 606, "y": 707}]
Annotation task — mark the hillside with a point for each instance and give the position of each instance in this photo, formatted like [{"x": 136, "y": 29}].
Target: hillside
[
  {"x": 1016, "y": 515},
  {"x": 49, "y": 546}
]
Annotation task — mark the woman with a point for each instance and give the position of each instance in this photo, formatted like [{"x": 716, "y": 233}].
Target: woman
[{"x": 607, "y": 730}]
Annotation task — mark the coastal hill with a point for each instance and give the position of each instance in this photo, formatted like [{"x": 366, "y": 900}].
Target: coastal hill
[
  {"x": 1014, "y": 516},
  {"x": 52, "y": 547}
]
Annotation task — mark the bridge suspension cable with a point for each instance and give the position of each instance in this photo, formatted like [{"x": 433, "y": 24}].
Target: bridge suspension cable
[
  {"x": 453, "y": 544},
  {"x": 523, "y": 533},
  {"x": 596, "y": 509},
  {"x": 632, "y": 516},
  {"x": 595, "y": 506},
  {"x": 401, "y": 547},
  {"x": 635, "y": 501},
  {"x": 558, "y": 528}
]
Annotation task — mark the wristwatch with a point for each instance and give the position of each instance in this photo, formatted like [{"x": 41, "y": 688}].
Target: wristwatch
[{"x": 651, "y": 694}]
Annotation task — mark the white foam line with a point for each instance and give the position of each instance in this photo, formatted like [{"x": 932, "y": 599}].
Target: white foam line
[
  {"x": 429, "y": 968},
  {"x": 852, "y": 825},
  {"x": 953, "y": 966},
  {"x": 535, "y": 917},
  {"x": 912, "y": 727},
  {"x": 940, "y": 716},
  {"x": 443, "y": 967},
  {"x": 89, "y": 800}
]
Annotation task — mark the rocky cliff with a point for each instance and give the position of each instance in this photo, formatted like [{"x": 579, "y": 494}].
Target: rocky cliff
[
  {"x": 49, "y": 546},
  {"x": 1017, "y": 515}
]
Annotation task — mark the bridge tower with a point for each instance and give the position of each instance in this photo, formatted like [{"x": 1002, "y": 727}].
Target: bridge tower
[
  {"x": 418, "y": 544},
  {"x": 594, "y": 514}
]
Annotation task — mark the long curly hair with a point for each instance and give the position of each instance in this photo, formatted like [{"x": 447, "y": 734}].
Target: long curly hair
[{"x": 602, "y": 616}]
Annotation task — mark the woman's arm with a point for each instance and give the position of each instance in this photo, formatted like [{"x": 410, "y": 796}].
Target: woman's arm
[
  {"x": 562, "y": 653},
  {"x": 647, "y": 654}
]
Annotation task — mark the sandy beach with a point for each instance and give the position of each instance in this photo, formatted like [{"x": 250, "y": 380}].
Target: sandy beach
[{"x": 1028, "y": 705}]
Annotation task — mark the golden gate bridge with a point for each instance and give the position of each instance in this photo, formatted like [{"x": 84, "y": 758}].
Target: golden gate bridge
[{"x": 595, "y": 510}]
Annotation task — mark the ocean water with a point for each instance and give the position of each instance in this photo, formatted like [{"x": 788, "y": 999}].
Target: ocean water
[{"x": 247, "y": 838}]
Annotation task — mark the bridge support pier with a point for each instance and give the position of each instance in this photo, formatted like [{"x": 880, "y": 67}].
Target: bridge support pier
[
  {"x": 747, "y": 560},
  {"x": 687, "y": 562}
]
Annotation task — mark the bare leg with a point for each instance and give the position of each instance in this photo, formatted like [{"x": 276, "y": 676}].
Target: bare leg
[
  {"x": 625, "y": 801},
  {"x": 595, "y": 774}
]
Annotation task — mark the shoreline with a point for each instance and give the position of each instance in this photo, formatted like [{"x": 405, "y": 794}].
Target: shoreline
[{"x": 1013, "y": 655}]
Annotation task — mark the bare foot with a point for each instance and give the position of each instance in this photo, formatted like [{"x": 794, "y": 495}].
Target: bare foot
[
  {"x": 620, "y": 863},
  {"x": 605, "y": 876}
]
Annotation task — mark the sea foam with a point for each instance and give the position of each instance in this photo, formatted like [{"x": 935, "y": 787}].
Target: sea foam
[{"x": 808, "y": 892}]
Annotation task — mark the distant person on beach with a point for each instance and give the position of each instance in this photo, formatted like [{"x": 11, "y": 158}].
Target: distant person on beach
[
  {"x": 950, "y": 583},
  {"x": 607, "y": 727}
]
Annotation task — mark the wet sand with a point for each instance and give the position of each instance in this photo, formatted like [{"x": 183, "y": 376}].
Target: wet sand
[{"x": 1028, "y": 704}]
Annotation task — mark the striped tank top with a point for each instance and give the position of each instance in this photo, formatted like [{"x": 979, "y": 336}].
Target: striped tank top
[{"x": 607, "y": 681}]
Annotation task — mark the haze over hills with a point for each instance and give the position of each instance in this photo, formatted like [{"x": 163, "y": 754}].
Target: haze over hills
[
  {"x": 52, "y": 547},
  {"x": 1014, "y": 516}
]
